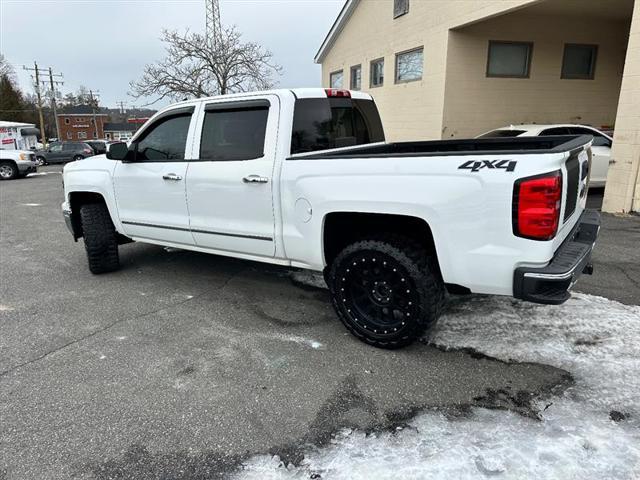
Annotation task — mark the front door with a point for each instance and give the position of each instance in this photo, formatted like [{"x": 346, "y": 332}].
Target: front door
[
  {"x": 230, "y": 187},
  {"x": 150, "y": 189}
]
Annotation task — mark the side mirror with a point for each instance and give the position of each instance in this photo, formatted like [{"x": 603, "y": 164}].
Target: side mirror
[{"x": 119, "y": 151}]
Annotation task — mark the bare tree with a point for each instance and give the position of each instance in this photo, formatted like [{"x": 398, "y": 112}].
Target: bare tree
[
  {"x": 195, "y": 67},
  {"x": 7, "y": 70}
]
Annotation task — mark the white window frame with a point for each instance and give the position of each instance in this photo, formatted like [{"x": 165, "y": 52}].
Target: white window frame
[
  {"x": 352, "y": 77},
  {"x": 372, "y": 76},
  {"x": 332, "y": 74},
  {"x": 397, "y": 70},
  {"x": 527, "y": 73}
]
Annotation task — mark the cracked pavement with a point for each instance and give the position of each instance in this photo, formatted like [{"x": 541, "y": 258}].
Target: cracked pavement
[{"x": 182, "y": 364}]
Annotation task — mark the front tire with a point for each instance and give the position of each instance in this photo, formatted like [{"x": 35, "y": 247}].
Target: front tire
[
  {"x": 40, "y": 161},
  {"x": 387, "y": 291},
  {"x": 100, "y": 238},
  {"x": 8, "y": 171},
  {"x": 78, "y": 157}
]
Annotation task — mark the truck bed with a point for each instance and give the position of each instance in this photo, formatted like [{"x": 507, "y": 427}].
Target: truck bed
[{"x": 479, "y": 146}]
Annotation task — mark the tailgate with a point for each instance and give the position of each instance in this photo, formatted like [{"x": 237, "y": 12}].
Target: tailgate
[{"x": 576, "y": 170}]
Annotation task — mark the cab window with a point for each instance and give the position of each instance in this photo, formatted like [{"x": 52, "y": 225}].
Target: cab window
[
  {"x": 164, "y": 141},
  {"x": 234, "y": 133},
  {"x": 325, "y": 123}
]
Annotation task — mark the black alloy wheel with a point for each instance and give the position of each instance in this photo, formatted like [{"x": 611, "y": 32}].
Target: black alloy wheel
[{"x": 387, "y": 292}]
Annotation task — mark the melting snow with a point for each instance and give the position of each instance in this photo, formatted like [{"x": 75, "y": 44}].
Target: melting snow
[
  {"x": 38, "y": 174},
  {"x": 595, "y": 339}
]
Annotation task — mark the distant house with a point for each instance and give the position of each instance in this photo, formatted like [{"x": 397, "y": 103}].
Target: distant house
[
  {"x": 119, "y": 131},
  {"x": 77, "y": 123}
]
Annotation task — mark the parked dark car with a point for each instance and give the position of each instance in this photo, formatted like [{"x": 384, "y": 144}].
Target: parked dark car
[
  {"x": 99, "y": 146},
  {"x": 64, "y": 152}
]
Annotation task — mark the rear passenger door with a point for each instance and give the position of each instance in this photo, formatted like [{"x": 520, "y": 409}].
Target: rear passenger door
[{"x": 230, "y": 185}]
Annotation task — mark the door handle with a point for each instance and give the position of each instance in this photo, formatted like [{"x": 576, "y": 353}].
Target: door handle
[
  {"x": 172, "y": 176},
  {"x": 255, "y": 179}
]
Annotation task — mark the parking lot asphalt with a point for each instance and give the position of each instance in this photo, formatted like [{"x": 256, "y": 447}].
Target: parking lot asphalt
[
  {"x": 182, "y": 364},
  {"x": 616, "y": 258}
]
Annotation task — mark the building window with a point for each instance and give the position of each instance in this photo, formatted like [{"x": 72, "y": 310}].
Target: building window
[
  {"x": 67, "y": 121},
  {"x": 356, "y": 77},
  {"x": 377, "y": 72},
  {"x": 69, "y": 135},
  {"x": 579, "y": 61},
  {"x": 400, "y": 7},
  {"x": 509, "y": 59},
  {"x": 80, "y": 119},
  {"x": 335, "y": 79},
  {"x": 82, "y": 135},
  {"x": 107, "y": 136},
  {"x": 95, "y": 135},
  {"x": 409, "y": 65}
]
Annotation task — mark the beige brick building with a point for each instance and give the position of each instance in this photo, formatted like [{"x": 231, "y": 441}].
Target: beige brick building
[{"x": 457, "y": 68}]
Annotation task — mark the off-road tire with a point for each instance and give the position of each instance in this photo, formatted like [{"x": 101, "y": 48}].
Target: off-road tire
[
  {"x": 100, "y": 238},
  {"x": 10, "y": 171},
  {"x": 412, "y": 290}
]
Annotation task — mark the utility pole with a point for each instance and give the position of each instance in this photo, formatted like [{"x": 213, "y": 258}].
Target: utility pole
[
  {"x": 121, "y": 104},
  {"x": 52, "y": 84},
  {"x": 39, "y": 96},
  {"x": 93, "y": 111}
]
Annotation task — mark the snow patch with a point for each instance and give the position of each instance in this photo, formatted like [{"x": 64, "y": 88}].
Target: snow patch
[
  {"x": 6, "y": 308},
  {"x": 39, "y": 174},
  {"x": 591, "y": 431},
  {"x": 31, "y": 204}
]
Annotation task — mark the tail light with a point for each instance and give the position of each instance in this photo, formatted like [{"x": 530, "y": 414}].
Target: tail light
[
  {"x": 536, "y": 206},
  {"x": 333, "y": 92}
]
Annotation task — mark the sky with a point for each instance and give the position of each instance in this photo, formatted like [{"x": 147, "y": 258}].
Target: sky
[{"x": 104, "y": 44}]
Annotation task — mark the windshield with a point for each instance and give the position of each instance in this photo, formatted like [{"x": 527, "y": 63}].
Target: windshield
[
  {"x": 502, "y": 134},
  {"x": 324, "y": 123}
]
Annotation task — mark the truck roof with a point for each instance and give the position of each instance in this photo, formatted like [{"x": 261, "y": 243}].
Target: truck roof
[{"x": 297, "y": 92}]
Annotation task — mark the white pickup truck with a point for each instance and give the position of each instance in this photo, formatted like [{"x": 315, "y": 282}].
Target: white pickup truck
[
  {"x": 16, "y": 164},
  {"x": 304, "y": 178}
]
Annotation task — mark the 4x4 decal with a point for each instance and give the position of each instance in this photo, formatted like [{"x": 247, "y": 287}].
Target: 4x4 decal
[{"x": 476, "y": 166}]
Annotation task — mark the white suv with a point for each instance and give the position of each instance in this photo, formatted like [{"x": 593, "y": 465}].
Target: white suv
[{"x": 601, "y": 147}]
